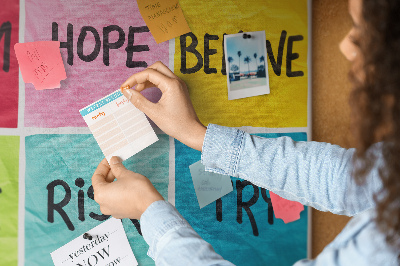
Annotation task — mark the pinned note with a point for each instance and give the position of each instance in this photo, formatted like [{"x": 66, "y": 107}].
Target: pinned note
[
  {"x": 164, "y": 18},
  {"x": 118, "y": 126},
  {"x": 41, "y": 63},
  {"x": 284, "y": 209},
  {"x": 106, "y": 244},
  {"x": 209, "y": 186}
]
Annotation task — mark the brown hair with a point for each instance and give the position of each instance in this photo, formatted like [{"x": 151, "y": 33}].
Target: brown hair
[{"x": 376, "y": 106}]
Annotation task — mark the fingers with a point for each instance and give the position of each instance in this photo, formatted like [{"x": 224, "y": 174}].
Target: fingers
[
  {"x": 139, "y": 101},
  {"x": 117, "y": 167},
  {"x": 149, "y": 75},
  {"x": 160, "y": 67},
  {"x": 100, "y": 175}
]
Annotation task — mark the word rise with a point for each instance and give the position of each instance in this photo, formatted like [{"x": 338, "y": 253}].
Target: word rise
[{"x": 58, "y": 207}]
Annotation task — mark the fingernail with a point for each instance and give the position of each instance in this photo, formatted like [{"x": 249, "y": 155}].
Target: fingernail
[
  {"x": 125, "y": 88},
  {"x": 115, "y": 160},
  {"x": 128, "y": 94}
]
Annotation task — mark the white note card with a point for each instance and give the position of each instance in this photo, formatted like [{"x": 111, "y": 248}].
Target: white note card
[
  {"x": 108, "y": 246},
  {"x": 118, "y": 126}
]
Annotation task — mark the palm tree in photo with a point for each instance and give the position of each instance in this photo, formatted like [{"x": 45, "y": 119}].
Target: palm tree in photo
[
  {"x": 239, "y": 55},
  {"x": 262, "y": 59},
  {"x": 263, "y": 74},
  {"x": 230, "y": 60},
  {"x": 255, "y": 60},
  {"x": 247, "y": 60}
]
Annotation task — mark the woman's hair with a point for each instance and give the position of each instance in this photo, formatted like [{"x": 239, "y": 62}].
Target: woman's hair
[{"x": 376, "y": 106}]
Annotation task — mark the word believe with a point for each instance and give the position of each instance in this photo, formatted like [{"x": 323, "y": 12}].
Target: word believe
[{"x": 276, "y": 64}]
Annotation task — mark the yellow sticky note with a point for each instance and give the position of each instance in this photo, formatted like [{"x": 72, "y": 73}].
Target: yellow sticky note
[{"x": 164, "y": 18}]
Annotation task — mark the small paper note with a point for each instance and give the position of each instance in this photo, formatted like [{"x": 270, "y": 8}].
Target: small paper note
[
  {"x": 41, "y": 63},
  {"x": 164, "y": 18},
  {"x": 108, "y": 246},
  {"x": 284, "y": 209},
  {"x": 209, "y": 186},
  {"x": 118, "y": 126}
]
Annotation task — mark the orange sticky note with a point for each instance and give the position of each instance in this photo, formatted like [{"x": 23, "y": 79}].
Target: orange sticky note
[
  {"x": 41, "y": 63},
  {"x": 164, "y": 18},
  {"x": 284, "y": 209}
]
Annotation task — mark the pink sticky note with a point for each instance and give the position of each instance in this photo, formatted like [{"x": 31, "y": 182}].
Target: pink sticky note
[
  {"x": 286, "y": 210},
  {"x": 41, "y": 63}
]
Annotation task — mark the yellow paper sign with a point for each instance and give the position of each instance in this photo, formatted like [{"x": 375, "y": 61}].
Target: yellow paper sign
[
  {"x": 164, "y": 18},
  {"x": 199, "y": 61}
]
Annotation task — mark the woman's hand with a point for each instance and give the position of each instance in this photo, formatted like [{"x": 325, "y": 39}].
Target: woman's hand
[
  {"x": 174, "y": 112},
  {"x": 127, "y": 197}
]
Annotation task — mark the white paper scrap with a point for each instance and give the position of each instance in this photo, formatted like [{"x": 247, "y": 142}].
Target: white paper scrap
[{"x": 108, "y": 246}]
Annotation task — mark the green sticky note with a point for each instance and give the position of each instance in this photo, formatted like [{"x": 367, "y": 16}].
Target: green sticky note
[
  {"x": 209, "y": 186},
  {"x": 9, "y": 160}
]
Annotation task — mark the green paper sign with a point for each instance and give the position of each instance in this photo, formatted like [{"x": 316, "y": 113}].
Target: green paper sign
[{"x": 9, "y": 163}]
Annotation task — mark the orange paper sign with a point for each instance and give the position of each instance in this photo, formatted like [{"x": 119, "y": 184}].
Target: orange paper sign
[
  {"x": 164, "y": 18},
  {"x": 41, "y": 63},
  {"x": 284, "y": 209}
]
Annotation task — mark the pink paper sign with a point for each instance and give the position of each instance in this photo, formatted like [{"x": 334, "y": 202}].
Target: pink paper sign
[
  {"x": 41, "y": 64},
  {"x": 102, "y": 43},
  {"x": 9, "y": 25},
  {"x": 286, "y": 210}
]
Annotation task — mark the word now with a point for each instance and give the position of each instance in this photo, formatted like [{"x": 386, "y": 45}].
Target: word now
[
  {"x": 107, "y": 46},
  {"x": 58, "y": 207},
  {"x": 94, "y": 260},
  {"x": 276, "y": 64}
]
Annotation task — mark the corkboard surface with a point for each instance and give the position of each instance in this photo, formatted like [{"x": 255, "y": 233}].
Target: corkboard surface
[{"x": 330, "y": 99}]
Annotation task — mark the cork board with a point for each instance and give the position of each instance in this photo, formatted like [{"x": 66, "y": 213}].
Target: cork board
[{"x": 330, "y": 99}]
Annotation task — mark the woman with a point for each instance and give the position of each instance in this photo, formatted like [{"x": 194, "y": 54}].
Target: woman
[{"x": 363, "y": 183}]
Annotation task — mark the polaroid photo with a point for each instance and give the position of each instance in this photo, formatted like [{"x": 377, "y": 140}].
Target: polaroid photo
[{"x": 246, "y": 64}]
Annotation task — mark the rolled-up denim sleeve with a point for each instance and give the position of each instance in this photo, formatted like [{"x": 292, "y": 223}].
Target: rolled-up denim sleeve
[
  {"x": 172, "y": 241},
  {"x": 313, "y": 173}
]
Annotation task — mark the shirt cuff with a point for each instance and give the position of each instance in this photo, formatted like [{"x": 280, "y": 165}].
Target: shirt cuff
[
  {"x": 222, "y": 148},
  {"x": 159, "y": 218}
]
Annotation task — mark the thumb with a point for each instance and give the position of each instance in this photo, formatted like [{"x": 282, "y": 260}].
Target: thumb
[
  {"x": 138, "y": 100},
  {"x": 116, "y": 166}
]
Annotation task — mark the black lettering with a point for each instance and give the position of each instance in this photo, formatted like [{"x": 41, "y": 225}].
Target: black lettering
[
  {"x": 130, "y": 48},
  {"x": 270, "y": 208},
  {"x": 240, "y": 185},
  {"x": 98, "y": 217},
  {"x": 218, "y": 209},
  {"x": 137, "y": 225},
  {"x": 68, "y": 44},
  {"x": 79, "y": 182},
  {"x": 290, "y": 56},
  {"x": 277, "y": 65},
  {"x": 104, "y": 252},
  {"x": 107, "y": 45},
  {"x": 223, "y": 66},
  {"x": 96, "y": 50},
  {"x": 191, "y": 49},
  {"x": 208, "y": 52},
  {"x": 51, "y": 206},
  {"x": 6, "y": 30}
]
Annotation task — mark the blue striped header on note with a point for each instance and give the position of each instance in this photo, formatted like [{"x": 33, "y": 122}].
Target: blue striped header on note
[{"x": 102, "y": 102}]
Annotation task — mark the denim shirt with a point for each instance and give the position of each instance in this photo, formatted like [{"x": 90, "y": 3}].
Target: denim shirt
[{"x": 312, "y": 173}]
